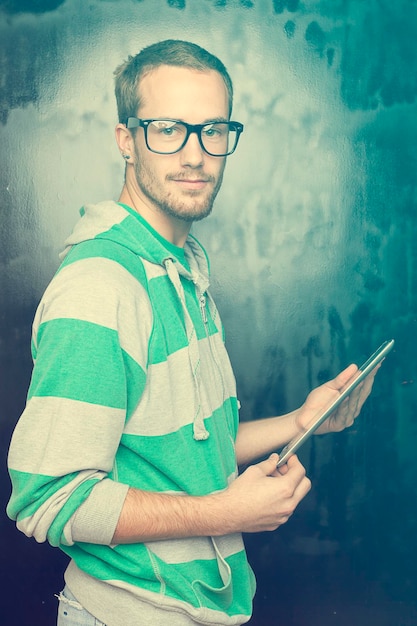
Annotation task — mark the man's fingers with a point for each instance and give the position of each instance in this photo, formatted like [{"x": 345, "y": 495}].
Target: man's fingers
[
  {"x": 269, "y": 465},
  {"x": 343, "y": 377},
  {"x": 293, "y": 466}
]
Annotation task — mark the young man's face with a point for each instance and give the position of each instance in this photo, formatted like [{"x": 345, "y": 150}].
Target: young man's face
[{"x": 181, "y": 185}]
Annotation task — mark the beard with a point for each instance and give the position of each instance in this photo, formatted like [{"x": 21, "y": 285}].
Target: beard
[{"x": 189, "y": 206}]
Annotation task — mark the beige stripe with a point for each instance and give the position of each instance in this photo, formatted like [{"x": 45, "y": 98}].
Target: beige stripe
[
  {"x": 185, "y": 550},
  {"x": 96, "y": 298},
  {"x": 70, "y": 435},
  {"x": 168, "y": 403}
]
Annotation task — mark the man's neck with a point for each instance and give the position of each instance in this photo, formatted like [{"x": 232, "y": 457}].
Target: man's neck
[{"x": 173, "y": 230}]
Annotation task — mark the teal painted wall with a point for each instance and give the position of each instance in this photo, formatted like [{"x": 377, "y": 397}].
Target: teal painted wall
[{"x": 313, "y": 252}]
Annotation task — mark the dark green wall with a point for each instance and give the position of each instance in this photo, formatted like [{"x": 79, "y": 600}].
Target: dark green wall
[{"x": 313, "y": 249}]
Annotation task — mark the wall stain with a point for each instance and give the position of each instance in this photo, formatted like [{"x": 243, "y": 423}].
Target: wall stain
[
  {"x": 30, "y": 6},
  {"x": 25, "y": 73},
  {"x": 330, "y": 52},
  {"x": 289, "y": 29},
  {"x": 315, "y": 37},
  {"x": 280, "y": 6},
  {"x": 383, "y": 75},
  {"x": 176, "y": 4}
]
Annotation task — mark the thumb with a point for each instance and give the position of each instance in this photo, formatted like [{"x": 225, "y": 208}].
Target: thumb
[
  {"x": 269, "y": 465},
  {"x": 344, "y": 377}
]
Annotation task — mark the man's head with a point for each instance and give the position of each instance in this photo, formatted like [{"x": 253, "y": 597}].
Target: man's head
[
  {"x": 174, "y": 103},
  {"x": 169, "y": 52}
]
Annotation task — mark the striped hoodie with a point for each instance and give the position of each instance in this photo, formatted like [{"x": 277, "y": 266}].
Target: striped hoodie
[{"x": 131, "y": 386}]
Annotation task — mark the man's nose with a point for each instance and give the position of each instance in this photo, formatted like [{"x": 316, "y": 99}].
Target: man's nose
[{"x": 192, "y": 154}]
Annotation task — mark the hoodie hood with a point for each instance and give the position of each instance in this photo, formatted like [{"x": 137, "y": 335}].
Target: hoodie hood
[
  {"x": 119, "y": 223},
  {"x": 122, "y": 225}
]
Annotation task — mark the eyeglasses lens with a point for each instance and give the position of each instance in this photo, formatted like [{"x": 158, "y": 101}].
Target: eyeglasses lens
[{"x": 167, "y": 137}]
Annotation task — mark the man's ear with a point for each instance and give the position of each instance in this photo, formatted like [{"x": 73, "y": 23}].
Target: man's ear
[{"x": 125, "y": 142}]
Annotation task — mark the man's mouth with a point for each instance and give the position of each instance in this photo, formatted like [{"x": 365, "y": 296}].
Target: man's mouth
[{"x": 189, "y": 183}]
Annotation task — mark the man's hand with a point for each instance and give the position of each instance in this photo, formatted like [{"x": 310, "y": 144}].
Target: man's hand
[
  {"x": 263, "y": 498},
  {"x": 260, "y": 499},
  {"x": 322, "y": 396}
]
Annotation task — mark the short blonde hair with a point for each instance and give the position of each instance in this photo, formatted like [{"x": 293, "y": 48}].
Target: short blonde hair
[{"x": 169, "y": 52}]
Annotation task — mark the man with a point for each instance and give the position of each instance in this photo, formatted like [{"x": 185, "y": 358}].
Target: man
[{"x": 126, "y": 455}]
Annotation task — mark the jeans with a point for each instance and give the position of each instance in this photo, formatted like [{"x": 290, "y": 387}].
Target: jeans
[{"x": 71, "y": 613}]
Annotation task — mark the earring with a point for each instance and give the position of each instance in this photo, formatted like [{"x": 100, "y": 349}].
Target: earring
[{"x": 126, "y": 156}]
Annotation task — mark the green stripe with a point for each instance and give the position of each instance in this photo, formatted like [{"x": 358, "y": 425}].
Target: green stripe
[
  {"x": 56, "y": 535},
  {"x": 207, "y": 587},
  {"x": 106, "y": 563},
  {"x": 37, "y": 487},
  {"x": 105, "y": 248},
  {"x": 88, "y": 363},
  {"x": 136, "y": 381},
  {"x": 169, "y": 334},
  {"x": 150, "y": 235},
  {"x": 31, "y": 491},
  {"x": 141, "y": 464}
]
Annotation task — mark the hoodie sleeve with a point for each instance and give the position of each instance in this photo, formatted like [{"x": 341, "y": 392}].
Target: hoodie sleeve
[{"x": 89, "y": 346}]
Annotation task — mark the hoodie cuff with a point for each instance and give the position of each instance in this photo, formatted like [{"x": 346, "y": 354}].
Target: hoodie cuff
[{"x": 96, "y": 519}]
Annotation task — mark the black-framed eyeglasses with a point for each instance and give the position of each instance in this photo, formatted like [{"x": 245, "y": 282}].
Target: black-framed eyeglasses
[{"x": 166, "y": 136}]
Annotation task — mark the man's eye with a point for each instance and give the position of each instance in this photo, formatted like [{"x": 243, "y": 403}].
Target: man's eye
[
  {"x": 215, "y": 131},
  {"x": 167, "y": 131},
  {"x": 212, "y": 131}
]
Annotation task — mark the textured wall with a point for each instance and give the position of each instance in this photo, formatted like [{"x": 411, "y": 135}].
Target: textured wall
[{"x": 313, "y": 251}]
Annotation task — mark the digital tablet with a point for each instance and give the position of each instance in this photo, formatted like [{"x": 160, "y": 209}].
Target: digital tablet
[{"x": 362, "y": 373}]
